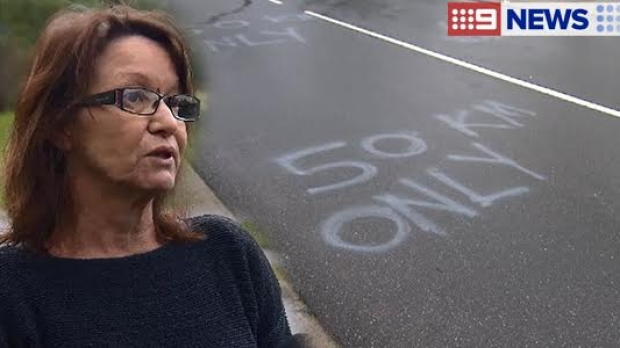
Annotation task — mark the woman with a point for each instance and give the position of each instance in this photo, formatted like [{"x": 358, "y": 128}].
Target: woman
[{"x": 92, "y": 258}]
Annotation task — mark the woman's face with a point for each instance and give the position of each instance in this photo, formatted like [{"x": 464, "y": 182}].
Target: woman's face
[{"x": 110, "y": 144}]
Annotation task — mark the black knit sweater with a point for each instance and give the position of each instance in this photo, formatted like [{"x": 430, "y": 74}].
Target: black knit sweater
[{"x": 220, "y": 292}]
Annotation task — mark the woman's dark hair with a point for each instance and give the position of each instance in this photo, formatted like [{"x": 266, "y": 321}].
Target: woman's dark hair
[{"x": 62, "y": 71}]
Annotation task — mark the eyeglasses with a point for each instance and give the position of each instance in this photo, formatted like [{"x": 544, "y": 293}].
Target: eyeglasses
[{"x": 141, "y": 101}]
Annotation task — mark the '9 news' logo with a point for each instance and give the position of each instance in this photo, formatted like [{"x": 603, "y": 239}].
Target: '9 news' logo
[
  {"x": 474, "y": 19},
  {"x": 533, "y": 19}
]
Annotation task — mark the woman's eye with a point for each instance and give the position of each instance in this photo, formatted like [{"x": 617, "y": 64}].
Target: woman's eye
[{"x": 135, "y": 96}]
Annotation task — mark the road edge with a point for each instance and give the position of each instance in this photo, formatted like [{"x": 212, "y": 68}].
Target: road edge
[{"x": 198, "y": 199}]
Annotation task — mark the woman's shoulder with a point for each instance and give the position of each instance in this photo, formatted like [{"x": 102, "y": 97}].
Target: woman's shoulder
[
  {"x": 9, "y": 257},
  {"x": 221, "y": 230},
  {"x": 11, "y": 268},
  {"x": 231, "y": 244}
]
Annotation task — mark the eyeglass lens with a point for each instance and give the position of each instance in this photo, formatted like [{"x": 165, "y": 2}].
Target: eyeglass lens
[
  {"x": 144, "y": 102},
  {"x": 139, "y": 101},
  {"x": 183, "y": 106}
]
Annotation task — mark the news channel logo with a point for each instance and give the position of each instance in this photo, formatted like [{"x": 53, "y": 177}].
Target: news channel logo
[
  {"x": 608, "y": 18},
  {"x": 533, "y": 19}
]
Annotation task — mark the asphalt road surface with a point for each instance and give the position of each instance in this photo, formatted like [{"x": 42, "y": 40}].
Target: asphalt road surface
[{"x": 416, "y": 202}]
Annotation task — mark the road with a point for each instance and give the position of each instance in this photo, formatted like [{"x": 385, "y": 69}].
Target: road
[{"x": 417, "y": 202}]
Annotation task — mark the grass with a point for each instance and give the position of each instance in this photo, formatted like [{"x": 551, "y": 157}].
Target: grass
[
  {"x": 263, "y": 242},
  {"x": 6, "y": 121},
  {"x": 257, "y": 233},
  {"x": 280, "y": 273}
]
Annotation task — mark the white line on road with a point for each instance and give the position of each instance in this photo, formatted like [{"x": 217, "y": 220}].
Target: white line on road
[
  {"x": 276, "y": 2},
  {"x": 473, "y": 67}
]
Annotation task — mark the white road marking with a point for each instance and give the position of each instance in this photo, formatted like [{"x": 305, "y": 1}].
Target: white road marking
[{"x": 473, "y": 67}]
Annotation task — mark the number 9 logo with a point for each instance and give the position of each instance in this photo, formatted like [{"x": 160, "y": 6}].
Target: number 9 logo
[{"x": 486, "y": 19}]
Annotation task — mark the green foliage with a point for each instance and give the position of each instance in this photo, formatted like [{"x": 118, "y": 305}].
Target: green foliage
[
  {"x": 6, "y": 122},
  {"x": 21, "y": 21},
  {"x": 257, "y": 234}
]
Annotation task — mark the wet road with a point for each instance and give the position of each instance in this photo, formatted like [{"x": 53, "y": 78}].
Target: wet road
[{"x": 415, "y": 202}]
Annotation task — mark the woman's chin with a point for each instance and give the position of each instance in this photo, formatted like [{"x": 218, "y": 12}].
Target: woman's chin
[{"x": 159, "y": 184}]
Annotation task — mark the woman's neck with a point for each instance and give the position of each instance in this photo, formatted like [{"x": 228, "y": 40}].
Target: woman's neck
[
  {"x": 105, "y": 222},
  {"x": 102, "y": 236}
]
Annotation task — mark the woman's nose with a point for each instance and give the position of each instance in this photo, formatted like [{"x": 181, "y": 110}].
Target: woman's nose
[{"x": 163, "y": 121}]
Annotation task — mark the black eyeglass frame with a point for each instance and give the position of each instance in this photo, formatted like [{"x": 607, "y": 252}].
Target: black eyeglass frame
[{"x": 115, "y": 97}]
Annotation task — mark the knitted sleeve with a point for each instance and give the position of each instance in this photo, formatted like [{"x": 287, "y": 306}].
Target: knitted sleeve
[
  {"x": 4, "y": 337},
  {"x": 17, "y": 321},
  {"x": 4, "y": 340},
  {"x": 264, "y": 300},
  {"x": 273, "y": 328}
]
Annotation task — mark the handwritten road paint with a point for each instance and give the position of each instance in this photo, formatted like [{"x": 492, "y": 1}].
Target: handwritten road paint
[
  {"x": 484, "y": 201},
  {"x": 409, "y": 207},
  {"x": 232, "y": 40},
  {"x": 495, "y": 158},
  {"x": 368, "y": 171},
  {"x": 332, "y": 228},
  {"x": 417, "y": 146},
  {"x": 261, "y": 38},
  {"x": 461, "y": 120}
]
